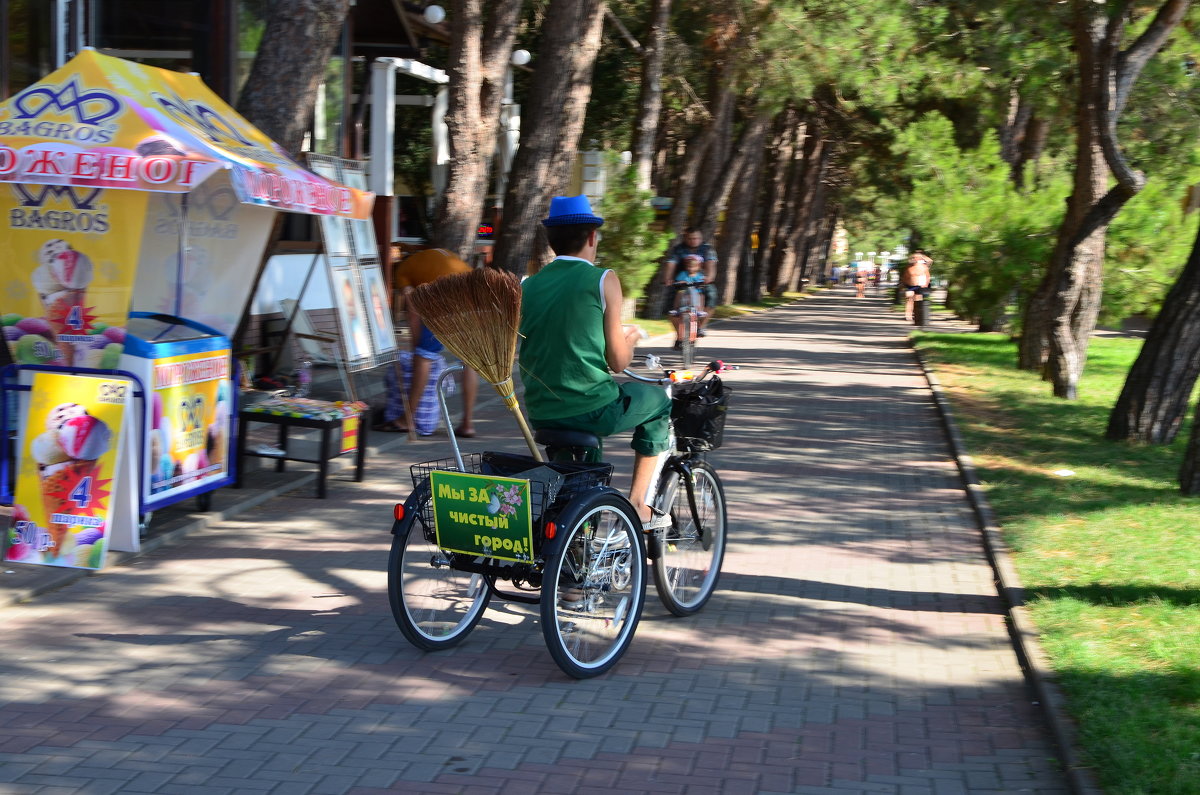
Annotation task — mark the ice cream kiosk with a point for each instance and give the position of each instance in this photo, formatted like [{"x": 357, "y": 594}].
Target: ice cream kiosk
[{"x": 135, "y": 208}]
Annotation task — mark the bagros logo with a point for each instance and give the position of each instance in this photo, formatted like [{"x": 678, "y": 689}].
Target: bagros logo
[
  {"x": 36, "y": 195},
  {"x": 200, "y": 118},
  {"x": 80, "y": 212},
  {"x": 88, "y": 112},
  {"x": 89, "y": 107},
  {"x": 209, "y": 214}
]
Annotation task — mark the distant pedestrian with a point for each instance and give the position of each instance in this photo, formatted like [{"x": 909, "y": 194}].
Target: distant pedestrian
[
  {"x": 424, "y": 363},
  {"x": 860, "y": 283},
  {"x": 916, "y": 280}
]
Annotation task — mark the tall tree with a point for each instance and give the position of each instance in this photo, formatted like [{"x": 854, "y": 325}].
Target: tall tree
[
  {"x": 281, "y": 90},
  {"x": 696, "y": 157},
  {"x": 745, "y": 167},
  {"x": 1159, "y": 385},
  {"x": 645, "y": 126},
  {"x": 780, "y": 160},
  {"x": 1063, "y": 311},
  {"x": 1189, "y": 472},
  {"x": 553, "y": 119},
  {"x": 790, "y": 233},
  {"x": 480, "y": 48},
  {"x": 727, "y": 171}
]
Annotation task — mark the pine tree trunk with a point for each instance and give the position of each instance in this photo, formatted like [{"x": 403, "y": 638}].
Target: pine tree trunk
[
  {"x": 697, "y": 157},
  {"x": 745, "y": 168},
  {"x": 778, "y": 171},
  {"x": 813, "y": 241},
  {"x": 749, "y": 144},
  {"x": 781, "y": 242},
  {"x": 1012, "y": 131},
  {"x": 1189, "y": 473},
  {"x": 685, "y": 183},
  {"x": 1062, "y": 316},
  {"x": 1032, "y": 145},
  {"x": 580, "y": 91},
  {"x": 281, "y": 90},
  {"x": 815, "y": 162},
  {"x": 551, "y": 124},
  {"x": 1066, "y": 302},
  {"x": 280, "y": 93},
  {"x": 712, "y": 179},
  {"x": 645, "y": 126},
  {"x": 478, "y": 63},
  {"x": 816, "y": 243},
  {"x": 1155, "y": 397}
]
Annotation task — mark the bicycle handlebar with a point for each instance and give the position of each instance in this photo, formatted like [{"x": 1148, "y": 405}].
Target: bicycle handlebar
[{"x": 680, "y": 376}]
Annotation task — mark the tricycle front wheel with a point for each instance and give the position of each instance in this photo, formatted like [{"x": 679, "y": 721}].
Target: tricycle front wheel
[{"x": 691, "y": 550}]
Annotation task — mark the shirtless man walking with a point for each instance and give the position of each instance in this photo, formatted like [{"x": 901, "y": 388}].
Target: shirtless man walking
[{"x": 916, "y": 281}]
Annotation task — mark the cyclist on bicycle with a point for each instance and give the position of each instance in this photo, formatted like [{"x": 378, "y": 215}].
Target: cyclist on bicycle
[
  {"x": 693, "y": 243},
  {"x": 572, "y": 336},
  {"x": 691, "y": 275}
]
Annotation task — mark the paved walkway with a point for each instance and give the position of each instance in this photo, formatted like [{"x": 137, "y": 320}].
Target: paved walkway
[{"x": 856, "y": 643}]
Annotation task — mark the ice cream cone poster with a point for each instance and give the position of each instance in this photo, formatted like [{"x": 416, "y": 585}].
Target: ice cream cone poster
[
  {"x": 190, "y": 408},
  {"x": 68, "y": 272},
  {"x": 61, "y": 515}
]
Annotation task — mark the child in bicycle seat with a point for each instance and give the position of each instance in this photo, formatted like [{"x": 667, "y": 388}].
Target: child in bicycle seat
[
  {"x": 571, "y": 337},
  {"x": 692, "y": 273}
]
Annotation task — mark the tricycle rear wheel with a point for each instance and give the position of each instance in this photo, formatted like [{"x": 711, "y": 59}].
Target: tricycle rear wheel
[
  {"x": 434, "y": 605},
  {"x": 594, "y": 587}
]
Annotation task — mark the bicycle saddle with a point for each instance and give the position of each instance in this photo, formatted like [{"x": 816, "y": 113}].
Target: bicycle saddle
[{"x": 555, "y": 437}]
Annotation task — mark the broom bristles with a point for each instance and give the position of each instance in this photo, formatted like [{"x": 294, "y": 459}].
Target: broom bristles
[{"x": 476, "y": 315}]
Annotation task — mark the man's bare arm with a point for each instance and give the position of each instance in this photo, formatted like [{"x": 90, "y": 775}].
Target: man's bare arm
[{"x": 618, "y": 341}]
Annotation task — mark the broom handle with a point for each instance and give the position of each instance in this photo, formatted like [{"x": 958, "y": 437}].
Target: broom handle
[
  {"x": 508, "y": 395},
  {"x": 533, "y": 448}
]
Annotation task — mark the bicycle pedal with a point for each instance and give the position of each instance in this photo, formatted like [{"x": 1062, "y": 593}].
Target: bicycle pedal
[{"x": 659, "y": 521}]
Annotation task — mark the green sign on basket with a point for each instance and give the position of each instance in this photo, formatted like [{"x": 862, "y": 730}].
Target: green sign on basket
[{"x": 482, "y": 515}]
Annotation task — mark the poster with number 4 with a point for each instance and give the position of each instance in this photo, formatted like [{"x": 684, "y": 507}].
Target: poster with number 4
[{"x": 63, "y": 507}]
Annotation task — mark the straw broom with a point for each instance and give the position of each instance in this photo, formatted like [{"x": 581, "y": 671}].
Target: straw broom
[{"x": 476, "y": 315}]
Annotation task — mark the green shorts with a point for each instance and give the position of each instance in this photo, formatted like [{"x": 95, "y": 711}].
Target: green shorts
[{"x": 643, "y": 407}]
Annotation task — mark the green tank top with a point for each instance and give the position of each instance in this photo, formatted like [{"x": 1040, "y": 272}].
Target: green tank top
[{"x": 562, "y": 360}]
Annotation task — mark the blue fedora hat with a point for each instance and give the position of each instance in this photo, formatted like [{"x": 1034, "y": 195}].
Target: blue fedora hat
[{"x": 566, "y": 210}]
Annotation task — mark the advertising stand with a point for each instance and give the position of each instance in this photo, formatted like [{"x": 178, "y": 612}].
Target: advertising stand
[{"x": 135, "y": 205}]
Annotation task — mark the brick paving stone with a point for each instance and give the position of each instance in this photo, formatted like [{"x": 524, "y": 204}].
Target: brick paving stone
[{"x": 856, "y": 642}]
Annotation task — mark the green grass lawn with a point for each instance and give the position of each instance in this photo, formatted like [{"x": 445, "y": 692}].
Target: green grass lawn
[{"x": 1110, "y": 555}]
